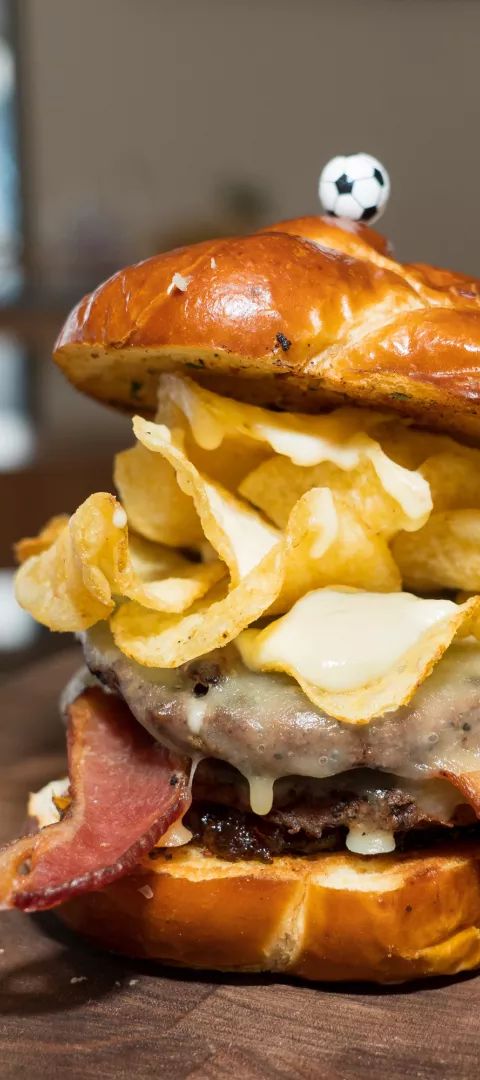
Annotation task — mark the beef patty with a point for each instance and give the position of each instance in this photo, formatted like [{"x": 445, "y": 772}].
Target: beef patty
[
  {"x": 235, "y": 834},
  {"x": 317, "y": 815},
  {"x": 265, "y": 726}
]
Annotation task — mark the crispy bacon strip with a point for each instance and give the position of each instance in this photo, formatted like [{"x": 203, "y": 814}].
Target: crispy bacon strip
[{"x": 126, "y": 791}]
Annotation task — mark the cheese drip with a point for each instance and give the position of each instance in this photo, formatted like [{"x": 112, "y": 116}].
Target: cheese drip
[
  {"x": 261, "y": 793},
  {"x": 196, "y": 710},
  {"x": 367, "y": 841},
  {"x": 176, "y": 836}
]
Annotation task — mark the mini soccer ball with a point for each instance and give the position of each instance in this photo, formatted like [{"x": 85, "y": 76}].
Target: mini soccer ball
[{"x": 355, "y": 186}]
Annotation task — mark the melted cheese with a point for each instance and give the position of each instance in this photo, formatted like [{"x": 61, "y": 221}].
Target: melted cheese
[
  {"x": 263, "y": 724},
  {"x": 435, "y": 798},
  {"x": 365, "y": 841},
  {"x": 196, "y": 709},
  {"x": 41, "y": 805},
  {"x": 342, "y": 640},
  {"x": 176, "y": 836},
  {"x": 406, "y": 486},
  {"x": 76, "y": 685},
  {"x": 261, "y": 793},
  {"x": 340, "y": 437},
  {"x": 250, "y": 537}
]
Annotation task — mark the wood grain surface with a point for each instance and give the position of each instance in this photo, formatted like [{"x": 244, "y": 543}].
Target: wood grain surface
[{"x": 68, "y": 1011}]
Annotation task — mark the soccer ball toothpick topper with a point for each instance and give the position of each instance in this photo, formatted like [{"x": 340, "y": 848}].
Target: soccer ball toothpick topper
[{"x": 354, "y": 186}]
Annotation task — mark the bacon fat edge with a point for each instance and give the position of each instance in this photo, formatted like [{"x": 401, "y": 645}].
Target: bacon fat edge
[{"x": 126, "y": 791}]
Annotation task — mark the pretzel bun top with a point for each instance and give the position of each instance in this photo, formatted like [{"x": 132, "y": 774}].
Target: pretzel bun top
[{"x": 310, "y": 313}]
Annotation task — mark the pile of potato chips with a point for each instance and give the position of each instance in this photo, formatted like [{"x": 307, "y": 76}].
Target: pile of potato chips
[{"x": 231, "y": 513}]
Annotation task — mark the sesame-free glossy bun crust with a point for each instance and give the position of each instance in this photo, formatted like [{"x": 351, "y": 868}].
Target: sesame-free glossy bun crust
[
  {"x": 311, "y": 313},
  {"x": 329, "y": 917}
]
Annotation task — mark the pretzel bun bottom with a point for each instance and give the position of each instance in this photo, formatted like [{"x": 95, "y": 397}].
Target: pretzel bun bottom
[{"x": 329, "y": 917}]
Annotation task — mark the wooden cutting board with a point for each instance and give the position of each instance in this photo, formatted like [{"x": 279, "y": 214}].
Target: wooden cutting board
[{"x": 69, "y": 1011}]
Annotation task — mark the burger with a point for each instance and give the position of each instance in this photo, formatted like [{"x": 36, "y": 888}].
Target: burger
[{"x": 274, "y": 742}]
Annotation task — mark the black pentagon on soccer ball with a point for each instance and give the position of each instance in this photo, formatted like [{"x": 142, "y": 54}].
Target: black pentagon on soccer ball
[
  {"x": 369, "y": 213},
  {"x": 379, "y": 176},
  {"x": 344, "y": 185}
]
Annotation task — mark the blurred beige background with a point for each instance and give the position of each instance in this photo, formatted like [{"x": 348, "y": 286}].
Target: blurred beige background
[
  {"x": 137, "y": 116},
  {"x": 146, "y": 123},
  {"x": 139, "y": 109}
]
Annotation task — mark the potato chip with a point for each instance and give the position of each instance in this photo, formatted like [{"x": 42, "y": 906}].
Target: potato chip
[
  {"x": 356, "y": 654},
  {"x": 99, "y": 537},
  {"x": 156, "y": 640},
  {"x": 156, "y": 507},
  {"x": 454, "y": 480},
  {"x": 409, "y": 489},
  {"x": 236, "y": 531},
  {"x": 327, "y": 543},
  {"x": 340, "y": 437},
  {"x": 73, "y": 583},
  {"x": 318, "y": 543},
  {"x": 410, "y": 446},
  {"x": 34, "y": 545},
  {"x": 151, "y": 561},
  {"x": 338, "y": 490},
  {"x": 177, "y": 593},
  {"x": 445, "y": 554},
  {"x": 306, "y": 439},
  {"x": 164, "y": 580},
  {"x": 471, "y": 627},
  {"x": 276, "y": 485},
  {"x": 67, "y": 586},
  {"x": 230, "y": 466}
]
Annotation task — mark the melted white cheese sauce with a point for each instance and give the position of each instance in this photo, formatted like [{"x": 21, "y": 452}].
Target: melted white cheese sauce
[
  {"x": 249, "y": 537},
  {"x": 41, "y": 805},
  {"x": 343, "y": 640},
  {"x": 196, "y": 709},
  {"x": 437, "y": 798},
  {"x": 79, "y": 682},
  {"x": 406, "y": 486},
  {"x": 340, "y": 437},
  {"x": 176, "y": 836},
  {"x": 261, "y": 793},
  {"x": 364, "y": 841}
]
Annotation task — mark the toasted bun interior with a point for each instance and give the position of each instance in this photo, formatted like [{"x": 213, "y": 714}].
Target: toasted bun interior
[{"x": 329, "y": 917}]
